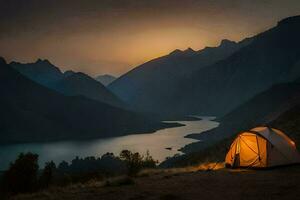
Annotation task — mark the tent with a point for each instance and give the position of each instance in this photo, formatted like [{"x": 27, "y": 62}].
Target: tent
[{"x": 262, "y": 147}]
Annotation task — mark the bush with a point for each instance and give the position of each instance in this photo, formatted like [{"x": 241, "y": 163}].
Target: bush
[
  {"x": 148, "y": 161},
  {"x": 21, "y": 177},
  {"x": 135, "y": 162}
]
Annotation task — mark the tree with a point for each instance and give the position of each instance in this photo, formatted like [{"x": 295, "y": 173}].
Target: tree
[
  {"x": 21, "y": 177},
  {"x": 63, "y": 166},
  {"x": 148, "y": 161},
  {"x": 48, "y": 174},
  {"x": 135, "y": 162}
]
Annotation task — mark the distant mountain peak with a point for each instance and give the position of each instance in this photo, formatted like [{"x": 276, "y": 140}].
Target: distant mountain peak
[
  {"x": 68, "y": 73},
  {"x": 290, "y": 20},
  {"x": 105, "y": 79},
  {"x": 45, "y": 61},
  {"x": 189, "y": 50},
  {"x": 226, "y": 42},
  {"x": 176, "y": 52},
  {"x": 47, "y": 65},
  {"x": 2, "y": 60}
]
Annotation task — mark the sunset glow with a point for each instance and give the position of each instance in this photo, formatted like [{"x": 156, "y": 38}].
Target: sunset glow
[{"x": 112, "y": 38}]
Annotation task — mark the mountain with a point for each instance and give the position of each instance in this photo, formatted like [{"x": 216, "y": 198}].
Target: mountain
[
  {"x": 262, "y": 109},
  {"x": 69, "y": 83},
  {"x": 217, "y": 88},
  {"x": 149, "y": 86},
  {"x": 105, "y": 79},
  {"x": 42, "y": 71},
  {"x": 77, "y": 83},
  {"x": 31, "y": 112},
  {"x": 271, "y": 58},
  {"x": 289, "y": 122}
]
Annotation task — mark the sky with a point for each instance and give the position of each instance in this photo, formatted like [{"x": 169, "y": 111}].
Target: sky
[{"x": 114, "y": 36}]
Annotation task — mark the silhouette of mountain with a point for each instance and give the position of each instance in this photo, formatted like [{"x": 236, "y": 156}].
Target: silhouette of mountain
[
  {"x": 31, "y": 112},
  {"x": 78, "y": 83},
  {"x": 42, "y": 71},
  {"x": 105, "y": 79},
  {"x": 272, "y": 57},
  {"x": 69, "y": 83},
  {"x": 220, "y": 84},
  {"x": 149, "y": 86}
]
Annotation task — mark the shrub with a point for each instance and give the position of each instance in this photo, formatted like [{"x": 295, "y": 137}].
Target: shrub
[
  {"x": 135, "y": 162},
  {"x": 148, "y": 161}
]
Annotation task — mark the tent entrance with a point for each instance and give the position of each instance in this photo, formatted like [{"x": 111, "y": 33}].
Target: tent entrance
[{"x": 250, "y": 151}]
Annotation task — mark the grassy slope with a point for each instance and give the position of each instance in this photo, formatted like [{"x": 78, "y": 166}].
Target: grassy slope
[{"x": 283, "y": 183}]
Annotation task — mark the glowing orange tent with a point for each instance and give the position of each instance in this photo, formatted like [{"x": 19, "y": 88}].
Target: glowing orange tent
[{"x": 262, "y": 147}]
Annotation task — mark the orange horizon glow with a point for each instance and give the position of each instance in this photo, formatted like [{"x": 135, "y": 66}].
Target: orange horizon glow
[{"x": 112, "y": 38}]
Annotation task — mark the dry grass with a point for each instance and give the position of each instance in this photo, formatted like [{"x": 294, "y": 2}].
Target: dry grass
[
  {"x": 207, "y": 166},
  {"x": 185, "y": 183}
]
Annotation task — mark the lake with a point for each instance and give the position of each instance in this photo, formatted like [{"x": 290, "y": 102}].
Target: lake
[{"x": 156, "y": 143}]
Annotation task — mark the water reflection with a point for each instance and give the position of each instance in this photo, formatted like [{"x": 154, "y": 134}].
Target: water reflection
[{"x": 161, "y": 144}]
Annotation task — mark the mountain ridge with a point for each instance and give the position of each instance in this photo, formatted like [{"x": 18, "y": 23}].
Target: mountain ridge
[
  {"x": 146, "y": 85},
  {"x": 47, "y": 74},
  {"x": 34, "y": 113},
  {"x": 195, "y": 87}
]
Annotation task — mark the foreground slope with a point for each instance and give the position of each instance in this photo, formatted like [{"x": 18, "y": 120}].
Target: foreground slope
[
  {"x": 31, "y": 112},
  {"x": 224, "y": 184},
  {"x": 69, "y": 83}
]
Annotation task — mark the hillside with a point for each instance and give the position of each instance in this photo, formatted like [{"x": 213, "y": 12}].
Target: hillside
[
  {"x": 278, "y": 107},
  {"x": 259, "y": 110},
  {"x": 69, "y": 83},
  {"x": 31, "y": 112},
  {"x": 271, "y": 58},
  {"x": 77, "y": 83},
  {"x": 149, "y": 86},
  {"x": 289, "y": 121},
  {"x": 214, "y": 85}
]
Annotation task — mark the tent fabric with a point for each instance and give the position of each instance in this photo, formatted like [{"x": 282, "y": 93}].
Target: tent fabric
[{"x": 262, "y": 147}]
